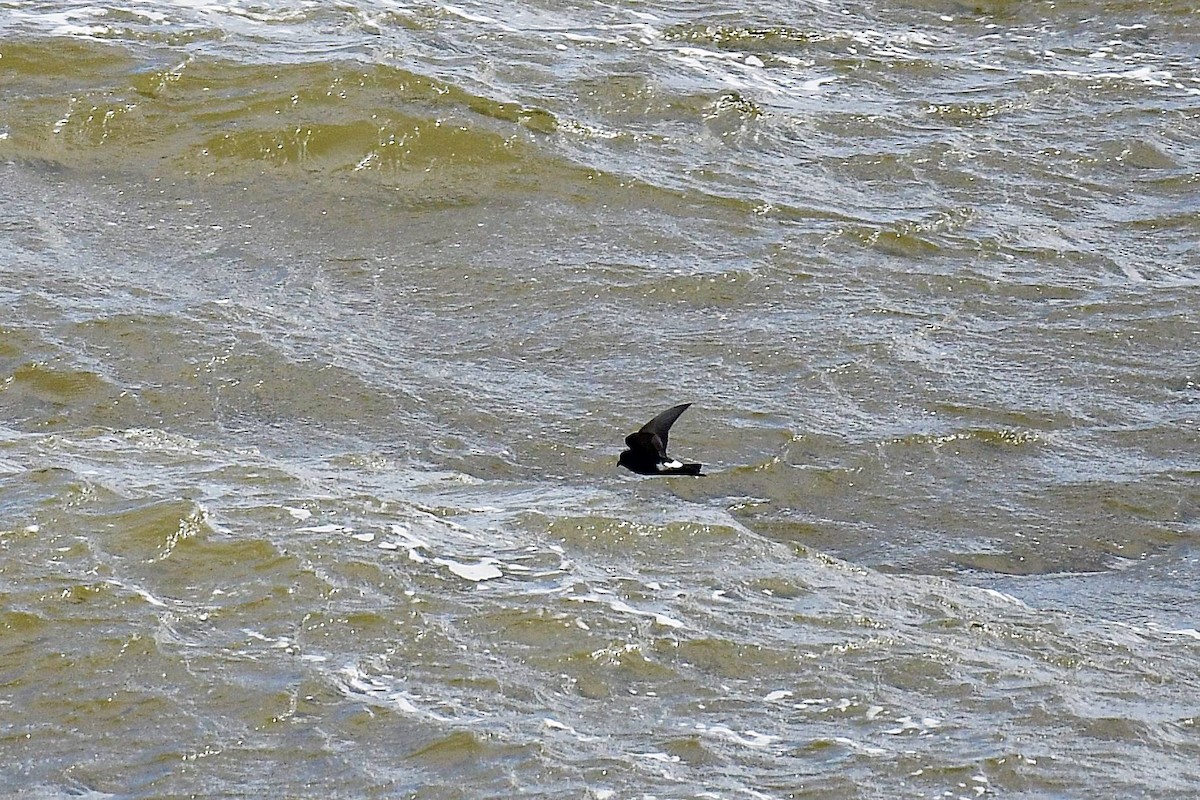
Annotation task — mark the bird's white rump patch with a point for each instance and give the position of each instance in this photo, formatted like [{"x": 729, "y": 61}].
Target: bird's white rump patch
[{"x": 665, "y": 465}]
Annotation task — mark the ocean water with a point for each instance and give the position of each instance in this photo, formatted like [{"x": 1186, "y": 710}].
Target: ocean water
[{"x": 322, "y": 325}]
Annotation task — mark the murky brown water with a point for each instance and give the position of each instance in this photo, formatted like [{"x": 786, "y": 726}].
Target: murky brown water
[{"x": 324, "y": 328}]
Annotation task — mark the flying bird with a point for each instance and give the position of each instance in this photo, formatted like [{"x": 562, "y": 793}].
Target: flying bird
[{"x": 647, "y": 453}]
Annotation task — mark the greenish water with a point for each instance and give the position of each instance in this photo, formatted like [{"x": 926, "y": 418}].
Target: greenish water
[{"x": 325, "y": 325}]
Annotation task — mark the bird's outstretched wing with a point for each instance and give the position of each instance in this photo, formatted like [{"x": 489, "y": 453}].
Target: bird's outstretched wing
[{"x": 660, "y": 426}]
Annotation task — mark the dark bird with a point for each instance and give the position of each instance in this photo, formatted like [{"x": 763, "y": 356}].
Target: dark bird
[{"x": 647, "y": 453}]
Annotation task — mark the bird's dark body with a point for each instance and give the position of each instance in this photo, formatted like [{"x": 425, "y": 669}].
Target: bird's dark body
[{"x": 647, "y": 453}]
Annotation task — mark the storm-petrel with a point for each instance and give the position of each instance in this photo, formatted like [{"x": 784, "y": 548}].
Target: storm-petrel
[{"x": 647, "y": 453}]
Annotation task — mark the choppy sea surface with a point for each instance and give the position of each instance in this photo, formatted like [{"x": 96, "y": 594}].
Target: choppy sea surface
[{"x": 322, "y": 323}]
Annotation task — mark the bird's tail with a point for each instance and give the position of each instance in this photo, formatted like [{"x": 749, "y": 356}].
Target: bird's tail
[{"x": 688, "y": 469}]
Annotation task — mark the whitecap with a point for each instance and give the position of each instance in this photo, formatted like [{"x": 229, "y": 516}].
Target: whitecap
[
  {"x": 139, "y": 591},
  {"x": 482, "y": 571},
  {"x": 861, "y": 748},
  {"x": 1189, "y": 632},
  {"x": 752, "y": 739},
  {"x": 555, "y": 725},
  {"x": 664, "y": 758},
  {"x": 330, "y": 528}
]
